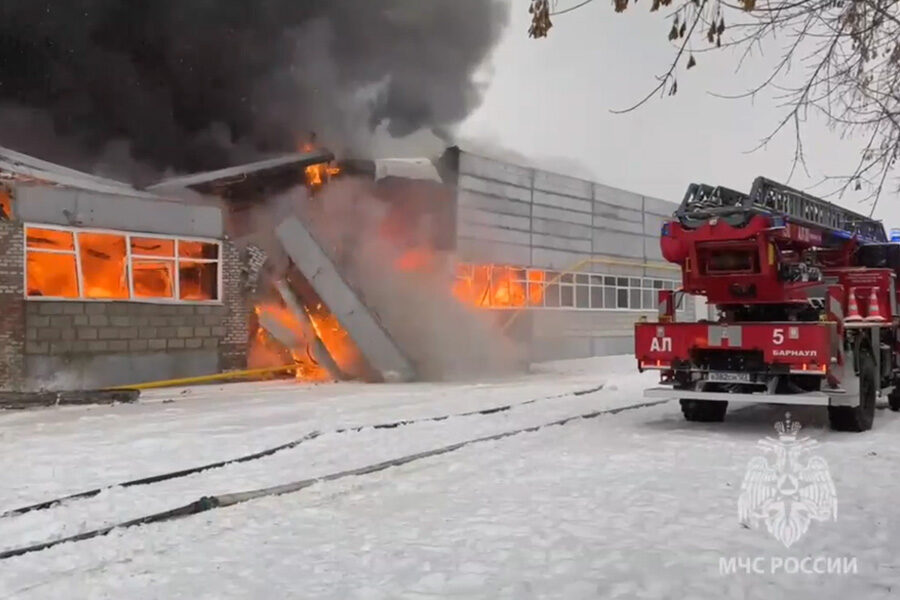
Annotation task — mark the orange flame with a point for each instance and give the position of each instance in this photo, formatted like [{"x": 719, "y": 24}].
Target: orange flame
[
  {"x": 336, "y": 340},
  {"x": 319, "y": 173},
  {"x": 266, "y": 351},
  {"x": 415, "y": 260},
  {"x": 496, "y": 286}
]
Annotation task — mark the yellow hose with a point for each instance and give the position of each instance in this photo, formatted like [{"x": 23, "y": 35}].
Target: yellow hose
[{"x": 205, "y": 378}]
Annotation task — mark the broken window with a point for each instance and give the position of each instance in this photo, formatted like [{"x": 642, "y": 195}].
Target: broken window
[
  {"x": 86, "y": 264},
  {"x": 493, "y": 286},
  {"x": 197, "y": 280},
  {"x": 142, "y": 246},
  {"x": 52, "y": 275},
  {"x": 50, "y": 267},
  {"x": 104, "y": 270},
  {"x": 198, "y": 250},
  {"x": 154, "y": 277}
]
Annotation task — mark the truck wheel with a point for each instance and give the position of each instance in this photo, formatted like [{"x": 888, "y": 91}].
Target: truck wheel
[
  {"x": 858, "y": 418},
  {"x": 704, "y": 411},
  {"x": 894, "y": 401}
]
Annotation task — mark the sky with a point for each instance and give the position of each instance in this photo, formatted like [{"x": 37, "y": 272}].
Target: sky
[{"x": 550, "y": 101}]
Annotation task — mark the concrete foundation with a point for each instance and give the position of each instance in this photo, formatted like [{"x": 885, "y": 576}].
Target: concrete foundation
[{"x": 85, "y": 371}]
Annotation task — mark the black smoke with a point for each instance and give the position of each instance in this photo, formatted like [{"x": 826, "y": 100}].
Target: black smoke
[{"x": 200, "y": 84}]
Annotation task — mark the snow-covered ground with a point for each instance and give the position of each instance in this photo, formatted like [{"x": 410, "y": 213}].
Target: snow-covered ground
[{"x": 638, "y": 504}]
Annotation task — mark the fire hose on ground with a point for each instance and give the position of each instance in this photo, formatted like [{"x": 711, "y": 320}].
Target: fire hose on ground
[
  {"x": 286, "y": 446},
  {"x": 207, "y": 503},
  {"x": 226, "y": 376}
]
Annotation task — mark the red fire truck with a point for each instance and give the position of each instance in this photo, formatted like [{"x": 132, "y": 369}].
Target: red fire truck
[{"x": 806, "y": 299}]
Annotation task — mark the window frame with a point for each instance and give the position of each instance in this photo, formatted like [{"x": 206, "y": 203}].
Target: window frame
[
  {"x": 129, "y": 256},
  {"x": 582, "y": 279}
]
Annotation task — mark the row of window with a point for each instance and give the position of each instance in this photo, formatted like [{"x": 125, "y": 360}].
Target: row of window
[
  {"x": 110, "y": 265},
  {"x": 493, "y": 286}
]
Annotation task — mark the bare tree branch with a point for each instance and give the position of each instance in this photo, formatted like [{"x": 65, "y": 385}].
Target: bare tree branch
[{"x": 837, "y": 58}]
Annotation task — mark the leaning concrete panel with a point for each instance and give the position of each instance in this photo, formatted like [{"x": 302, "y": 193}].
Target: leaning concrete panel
[
  {"x": 372, "y": 340},
  {"x": 61, "y": 206},
  {"x": 313, "y": 342}
]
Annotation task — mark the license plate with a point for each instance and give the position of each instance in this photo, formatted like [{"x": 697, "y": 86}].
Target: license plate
[{"x": 728, "y": 377}]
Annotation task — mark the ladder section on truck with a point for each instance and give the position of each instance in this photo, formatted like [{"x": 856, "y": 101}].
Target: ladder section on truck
[{"x": 702, "y": 202}]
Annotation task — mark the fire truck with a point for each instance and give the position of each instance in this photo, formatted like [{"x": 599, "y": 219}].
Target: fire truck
[{"x": 803, "y": 306}]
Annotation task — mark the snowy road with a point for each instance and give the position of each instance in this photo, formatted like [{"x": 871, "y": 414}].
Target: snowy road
[{"x": 635, "y": 505}]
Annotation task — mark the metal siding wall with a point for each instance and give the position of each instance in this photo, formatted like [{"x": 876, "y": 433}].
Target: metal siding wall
[
  {"x": 528, "y": 217},
  {"x": 494, "y": 211}
]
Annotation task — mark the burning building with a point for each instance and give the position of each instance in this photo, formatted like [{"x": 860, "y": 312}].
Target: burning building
[
  {"x": 371, "y": 269},
  {"x": 103, "y": 284},
  {"x": 567, "y": 265}
]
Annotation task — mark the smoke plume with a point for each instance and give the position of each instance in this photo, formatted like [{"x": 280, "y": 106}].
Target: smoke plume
[
  {"x": 444, "y": 338},
  {"x": 198, "y": 84}
]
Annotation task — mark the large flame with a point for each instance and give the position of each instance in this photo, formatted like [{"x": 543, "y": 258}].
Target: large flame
[
  {"x": 266, "y": 351},
  {"x": 102, "y": 266},
  {"x": 318, "y": 174},
  {"x": 481, "y": 286},
  {"x": 498, "y": 286}
]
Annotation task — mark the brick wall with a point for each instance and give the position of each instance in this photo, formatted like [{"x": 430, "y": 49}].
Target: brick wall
[
  {"x": 233, "y": 348},
  {"x": 12, "y": 305},
  {"x": 110, "y": 327},
  {"x": 81, "y": 329}
]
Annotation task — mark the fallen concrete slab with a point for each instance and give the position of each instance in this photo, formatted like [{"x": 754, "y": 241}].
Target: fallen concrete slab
[
  {"x": 316, "y": 347},
  {"x": 373, "y": 341}
]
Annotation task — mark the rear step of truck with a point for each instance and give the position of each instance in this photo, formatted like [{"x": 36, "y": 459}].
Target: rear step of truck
[{"x": 807, "y": 398}]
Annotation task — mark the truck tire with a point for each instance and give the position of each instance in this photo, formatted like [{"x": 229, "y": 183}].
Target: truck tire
[
  {"x": 704, "y": 411},
  {"x": 894, "y": 401},
  {"x": 858, "y": 418}
]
